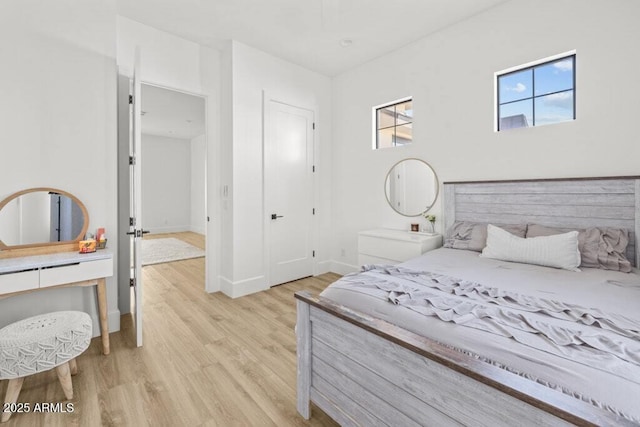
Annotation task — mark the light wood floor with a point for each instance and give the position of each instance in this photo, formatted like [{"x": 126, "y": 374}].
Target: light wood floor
[{"x": 207, "y": 360}]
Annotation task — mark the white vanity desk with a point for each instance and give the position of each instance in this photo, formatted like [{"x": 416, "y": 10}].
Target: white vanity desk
[{"x": 33, "y": 273}]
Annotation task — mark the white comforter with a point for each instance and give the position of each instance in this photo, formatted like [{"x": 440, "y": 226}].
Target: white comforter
[{"x": 608, "y": 376}]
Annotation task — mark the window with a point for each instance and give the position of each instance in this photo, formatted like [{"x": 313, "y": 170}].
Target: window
[
  {"x": 540, "y": 94},
  {"x": 393, "y": 124}
]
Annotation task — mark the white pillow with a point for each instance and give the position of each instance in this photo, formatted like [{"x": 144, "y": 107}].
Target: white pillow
[{"x": 559, "y": 250}]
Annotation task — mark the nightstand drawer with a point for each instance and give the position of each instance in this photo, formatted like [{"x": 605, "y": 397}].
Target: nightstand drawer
[
  {"x": 76, "y": 272},
  {"x": 386, "y": 246},
  {"x": 16, "y": 282}
]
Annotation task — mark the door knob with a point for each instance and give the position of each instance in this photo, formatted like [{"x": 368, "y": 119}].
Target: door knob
[
  {"x": 276, "y": 216},
  {"x": 137, "y": 233}
]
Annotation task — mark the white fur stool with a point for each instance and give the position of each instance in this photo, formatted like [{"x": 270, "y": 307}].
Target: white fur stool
[{"x": 41, "y": 343}]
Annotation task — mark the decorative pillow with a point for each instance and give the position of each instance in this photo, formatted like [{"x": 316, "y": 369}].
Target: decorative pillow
[
  {"x": 472, "y": 236},
  {"x": 599, "y": 247},
  {"x": 559, "y": 251}
]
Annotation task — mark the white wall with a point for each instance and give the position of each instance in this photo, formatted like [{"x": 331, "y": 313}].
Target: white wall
[
  {"x": 166, "y": 184},
  {"x": 450, "y": 76},
  {"x": 253, "y": 72},
  {"x": 198, "y": 209},
  {"x": 180, "y": 64},
  {"x": 58, "y": 109}
]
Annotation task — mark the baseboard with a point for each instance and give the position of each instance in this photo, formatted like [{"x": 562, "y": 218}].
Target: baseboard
[
  {"x": 213, "y": 285},
  {"x": 322, "y": 267},
  {"x": 226, "y": 286},
  {"x": 169, "y": 229},
  {"x": 343, "y": 268},
  {"x": 113, "y": 319},
  {"x": 243, "y": 287},
  {"x": 199, "y": 230}
]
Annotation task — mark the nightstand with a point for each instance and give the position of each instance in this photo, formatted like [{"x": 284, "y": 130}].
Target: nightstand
[{"x": 386, "y": 246}]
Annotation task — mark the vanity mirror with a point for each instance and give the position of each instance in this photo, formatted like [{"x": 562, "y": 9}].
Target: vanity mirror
[
  {"x": 411, "y": 187},
  {"x": 41, "y": 217}
]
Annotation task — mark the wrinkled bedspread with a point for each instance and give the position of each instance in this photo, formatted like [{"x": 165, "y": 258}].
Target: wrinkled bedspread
[{"x": 599, "y": 339}]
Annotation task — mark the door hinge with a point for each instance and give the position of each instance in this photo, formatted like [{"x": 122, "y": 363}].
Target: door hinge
[
  {"x": 132, "y": 221},
  {"x": 130, "y": 99},
  {"x": 313, "y": 211},
  {"x": 313, "y": 254},
  {"x": 313, "y": 168},
  {"x": 314, "y": 126},
  {"x": 132, "y": 160},
  {"x": 132, "y": 282},
  {"x": 208, "y": 219}
]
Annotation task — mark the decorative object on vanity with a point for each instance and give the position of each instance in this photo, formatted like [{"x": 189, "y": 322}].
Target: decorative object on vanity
[
  {"x": 41, "y": 220},
  {"x": 101, "y": 239},
  {"x": 91, "y": 242},
  {"x": 41, "y": 343},
  {"x": 415, "y": 227},
  {"x": 87, "y": 246},
  {"x": 386, "y": 246},
  {"x": 411, "y": 187}
]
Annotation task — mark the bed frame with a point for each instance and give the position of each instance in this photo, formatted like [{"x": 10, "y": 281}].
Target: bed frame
[{"x": 364, "y": 371}]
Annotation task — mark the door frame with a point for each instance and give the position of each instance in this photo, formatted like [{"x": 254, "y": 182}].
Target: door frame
[
  {"x": 267, "y": 97},
  {"x": 212, "y": 173},
  {"x": 210, "y": 233}
]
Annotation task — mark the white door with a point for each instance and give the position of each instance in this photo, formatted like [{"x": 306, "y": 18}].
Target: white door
[
  {"x": 135, "y": 230},
  {"x": 288, "y": 191}
]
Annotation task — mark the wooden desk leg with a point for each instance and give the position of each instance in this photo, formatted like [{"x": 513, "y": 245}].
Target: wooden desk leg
[{"x": 104, "y": 322}]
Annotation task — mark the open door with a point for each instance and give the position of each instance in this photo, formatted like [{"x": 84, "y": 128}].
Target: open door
[{"x": 135, "y": 193}]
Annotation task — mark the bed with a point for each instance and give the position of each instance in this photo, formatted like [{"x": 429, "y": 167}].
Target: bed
[{"x": 365, "y": 361}]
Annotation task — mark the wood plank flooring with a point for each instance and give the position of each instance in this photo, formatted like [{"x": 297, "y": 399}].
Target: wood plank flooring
[{"x": 207, "y": 360}]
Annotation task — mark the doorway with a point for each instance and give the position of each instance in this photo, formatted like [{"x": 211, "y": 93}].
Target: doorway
[
  {"x": 289, "y": 196},
  {"x": 173, "y": 176},
  {"x": 171, "y": 117}
]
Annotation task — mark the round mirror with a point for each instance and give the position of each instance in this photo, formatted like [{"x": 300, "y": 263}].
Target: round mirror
[
  {"x": 41, "y": 216},
  {"x": 411, "y": 187}
]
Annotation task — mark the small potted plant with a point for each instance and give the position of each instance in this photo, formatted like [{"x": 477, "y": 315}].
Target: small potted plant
[{"x": 431, "y": 220}]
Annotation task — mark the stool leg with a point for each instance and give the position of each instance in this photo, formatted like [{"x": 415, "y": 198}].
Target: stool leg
[
  {"x": 64, "y": 375},
  {"x": 73, "y": 366},
  {"x": 13, "y": 390}
]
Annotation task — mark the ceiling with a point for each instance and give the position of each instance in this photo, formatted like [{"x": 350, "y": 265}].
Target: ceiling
[
  {"x": 171, "y": 114},
  {"x": 306, "y": 32}
]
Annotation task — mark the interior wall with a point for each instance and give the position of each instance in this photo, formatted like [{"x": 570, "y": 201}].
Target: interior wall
[
  {"x": 252, "y": 74},
  {"x": 226, "y": 165},
  {"x": 166, "y": 184},
  {"x": 58, "y": 109},
  {"x": 176, "y": 63},
  {"x": 450, "y": 75},
  {"x": 198, "y": 210}
]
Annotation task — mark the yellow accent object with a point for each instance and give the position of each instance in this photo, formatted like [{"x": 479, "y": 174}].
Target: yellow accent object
[{"x": 87, "y": 246}]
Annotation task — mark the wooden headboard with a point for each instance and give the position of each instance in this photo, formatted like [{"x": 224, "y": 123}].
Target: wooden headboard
[{"x": 563, "y": 203}]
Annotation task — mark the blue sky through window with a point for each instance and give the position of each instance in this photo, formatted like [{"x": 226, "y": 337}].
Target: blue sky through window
[
  {"x": 552, "y": 102},
  {"x": 516, "y": 86}
]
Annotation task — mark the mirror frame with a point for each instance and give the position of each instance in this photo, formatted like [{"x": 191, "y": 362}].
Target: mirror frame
[
  {"x": 85, "y": 213},
  {"x": 435, "y": 197}
]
